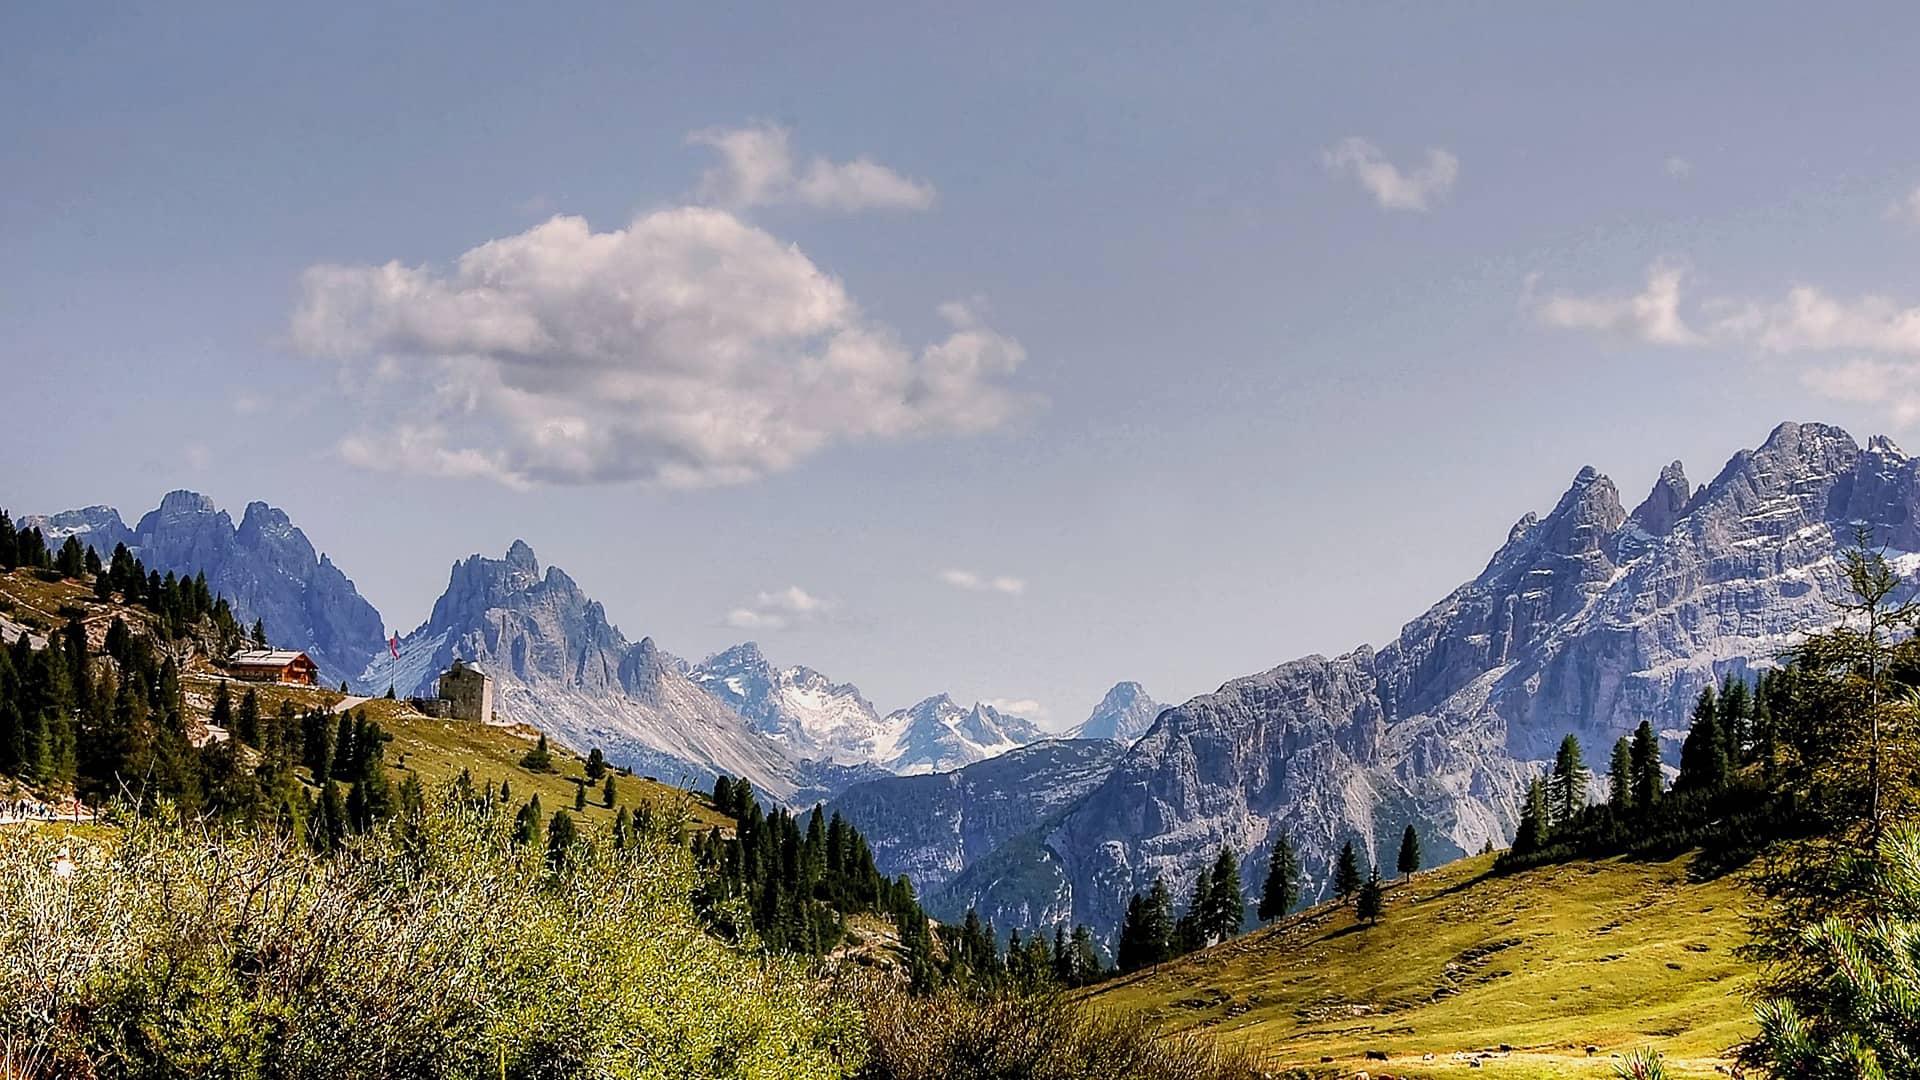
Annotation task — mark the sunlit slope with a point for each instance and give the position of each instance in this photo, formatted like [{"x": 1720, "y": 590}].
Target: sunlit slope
[{"x": 1613, "y": 955}]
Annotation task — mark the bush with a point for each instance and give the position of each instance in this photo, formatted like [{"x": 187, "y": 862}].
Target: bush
[
  {"x": 950, "y": 1036},
  {"x": 72, "y": 611},
  {"x": 432, "y": 948}
]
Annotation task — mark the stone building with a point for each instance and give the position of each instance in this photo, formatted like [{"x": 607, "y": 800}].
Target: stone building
[{"x": 468, "y": 692}]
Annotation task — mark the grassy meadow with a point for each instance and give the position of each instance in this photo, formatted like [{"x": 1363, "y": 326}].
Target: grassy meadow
[{"x": 1522, "y": 972}]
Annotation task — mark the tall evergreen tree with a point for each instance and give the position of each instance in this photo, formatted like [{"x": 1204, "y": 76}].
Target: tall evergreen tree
[
  {"x": 606, "y": 792},
  {"x": 579, "y": 797},
  {"x": 221, "y": 715},
  {"x": 1620, "y": 777},
  {"x": 1536, "y": 819},
  {"x": 246, "y": 719},
  {"x": 1409, "y": 852},
  {"x": 1703, "y": 757},
  {"x": 1648, "y": 780},
  {"x": 1346, "y": 873},
  {"x": 1372, "y": 899},
  {"x": 1568, "y": 792},
  {"x": 1734, "y": 719},
  {"x": 1157, "y": 925},
  {"x": 1227, "y": 910},
  {"x": 1282, "y": 888}
]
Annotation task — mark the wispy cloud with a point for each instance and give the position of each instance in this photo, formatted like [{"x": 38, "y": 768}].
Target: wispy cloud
[
  {"x": 1651, "y": 315},
  {"x": 1390, "y": 187},
  {"x": 1679, "y": 168},
  {"x": 779, "y": 610},
  {"x": 1805, "y": 324},
  {"x": 1022, "y": 707},
  {"x": 757, "y": 168},
  {"x": 975, "y": 582}
]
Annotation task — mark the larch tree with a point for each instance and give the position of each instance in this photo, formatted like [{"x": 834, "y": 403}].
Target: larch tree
[
  {"x": 1346, "y": 872},
  {"x": 1282, "y": 888},
  {"x": 1409, "y": 852}
]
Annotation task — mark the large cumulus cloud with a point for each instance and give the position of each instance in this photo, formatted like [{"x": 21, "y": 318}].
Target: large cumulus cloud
[{"x": 691, "y": 348}]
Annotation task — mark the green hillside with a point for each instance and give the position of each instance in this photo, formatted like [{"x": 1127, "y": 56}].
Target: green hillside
[
  {"x": 1614, "y": 955},
  {"x": 437, "y": 750}
]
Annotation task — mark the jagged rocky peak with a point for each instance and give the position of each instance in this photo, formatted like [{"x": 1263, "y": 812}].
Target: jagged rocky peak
[
  {"x": 1665, "y": 504},
  {"x": 1585, "y": 516},
  {"x": 644, "y": 668},
  {"x": 98, "y": 527},
  {"x": 1123, "y": 715}
]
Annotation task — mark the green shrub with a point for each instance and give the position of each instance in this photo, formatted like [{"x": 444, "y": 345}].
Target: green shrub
[
  {"x": 72, "y": 611},
  {"x": 434, "y": 948},
  {"x": 951, "y": 1036}
]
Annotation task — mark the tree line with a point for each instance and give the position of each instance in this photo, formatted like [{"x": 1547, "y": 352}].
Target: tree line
[{"x": 1151, "y": 933}]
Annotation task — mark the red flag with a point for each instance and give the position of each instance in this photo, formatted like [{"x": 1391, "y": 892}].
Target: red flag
[{"x": 395, "y": 646}]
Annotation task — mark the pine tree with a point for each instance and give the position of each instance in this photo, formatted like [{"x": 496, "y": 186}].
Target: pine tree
[
  {"x": 562, "y": 832},
  {"x": 1409, "y": 852},
  {"x": 1620, "y": 777},
  {"x": 246, "y": 720},
  {"x": 1536, "y": 820},
  {"x": 1282, "y": 888},
  {"x": 1195, "y": 925},
  {"x": 1648, "y": 781},
  {"x": 1568, "y": 793},
  {"x": 1346, "y": 873},
  {"x": 538, "y": 759},
  {"x": 222, "y": 714},
  {"x": 1157, "y": 925},
  {"x": 1372, "y": 898},
  {"x": 1703, "y": 757},
  {"x": 71, "y": 562},
  {"x": 606, "y": 792},
  {"x": 1227, "y": 910},
  {"x": 596, "y": 764},
  {"x": 528, "y": 824},
  {"x": 1735, "y": 720},
  {"x": 260, "y": 638},
  {"x": 579, "y": 797}
]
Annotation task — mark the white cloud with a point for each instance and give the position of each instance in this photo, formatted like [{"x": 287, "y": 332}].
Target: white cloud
[
  {"x": 1893, "y": 385},
  {"x": 1651, "y": 315},
  {"x": 758, "y": 169},
  {"x": 1809, "y": 320},
  {"x": 197, "y": 456},
  {"x": 778, "y": 610},
  {"x": 246, "y": 404},
  {"x": 1391, "y": 188},
  {"x": 973, "y": 582},
  {"x": 1679, "y": 168},
  {"x": 688, "y": 349},
  {"x": 1907, "y": 209},
  {"x": 1022, "y": 707}
]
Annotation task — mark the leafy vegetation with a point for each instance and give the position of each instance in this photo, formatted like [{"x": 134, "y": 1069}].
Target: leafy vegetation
[{"x": 433, "y": 945}]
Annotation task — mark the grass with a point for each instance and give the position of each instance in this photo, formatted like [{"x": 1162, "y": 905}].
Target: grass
[
  {"x": 31, "y": 598},
  {"x": 437, "y": 750},
  {"x": 1615, "y": 955}
]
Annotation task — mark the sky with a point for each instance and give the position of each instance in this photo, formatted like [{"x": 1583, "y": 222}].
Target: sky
[{"x": 1006, "y": 350}]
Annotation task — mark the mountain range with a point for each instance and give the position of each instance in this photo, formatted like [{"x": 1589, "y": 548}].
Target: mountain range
[
  {"x": 558, "y": 663},
  {"x": 1588, "y": 619}
]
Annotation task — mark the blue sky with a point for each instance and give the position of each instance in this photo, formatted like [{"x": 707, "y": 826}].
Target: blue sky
[{"x": 1012, "y": 352}]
